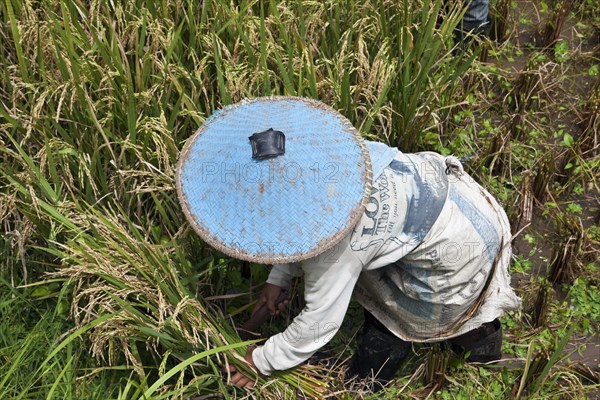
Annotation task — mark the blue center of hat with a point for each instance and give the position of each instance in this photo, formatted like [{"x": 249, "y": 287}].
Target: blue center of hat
[{"x": 283, "y": 207}]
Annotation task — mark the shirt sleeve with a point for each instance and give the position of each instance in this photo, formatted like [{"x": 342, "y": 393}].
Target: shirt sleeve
[
  {"x": 329, "y": 281},
  {"x": 281, "y": 274}
]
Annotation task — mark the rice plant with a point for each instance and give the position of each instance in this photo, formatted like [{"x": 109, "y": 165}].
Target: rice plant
[
  {"x": 554, "y": 26},
  {"x": 522, "y": 213},
  {"x": 591, "y": 123},
  {"x": 97, "y": 98},
  {"x": 543, "y": 176},
  {"x": 501, "y": 21},
  {"x": 565, "y": 252}
]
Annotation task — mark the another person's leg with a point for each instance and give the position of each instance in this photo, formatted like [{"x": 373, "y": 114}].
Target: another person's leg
[
  {"x": 475, "y": 21},
  {"x": 476, "y": 17},
  {"x": 380, "y": 353}
]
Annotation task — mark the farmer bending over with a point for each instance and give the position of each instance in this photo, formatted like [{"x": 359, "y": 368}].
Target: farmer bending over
[{"x": 288, "y": 181}]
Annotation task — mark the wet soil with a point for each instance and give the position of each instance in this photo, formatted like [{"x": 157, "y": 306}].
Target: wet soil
[{"x": 529, "y": 19}]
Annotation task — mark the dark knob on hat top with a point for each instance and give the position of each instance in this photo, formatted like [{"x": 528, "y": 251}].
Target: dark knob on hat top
[{"x": 267, "y": 144}]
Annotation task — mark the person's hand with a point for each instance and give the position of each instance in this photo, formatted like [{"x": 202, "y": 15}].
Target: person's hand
[
  {"x": 238, "y": 378},
  {"x": 268, "y": 296}
]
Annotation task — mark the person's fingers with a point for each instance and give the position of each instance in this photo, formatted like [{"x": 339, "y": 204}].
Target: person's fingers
[
  {"x": 246, "y": 382},
  {"x": 228, "y": 369},
  {"x": 267, "y": 298},
  {"x": 271, "y": 306},
  {"x": 236, "y": 378},
  {"x": 260, "y": 302},
  {"x": 241, "y": 380},
  {"x": 281, "y": 306}
]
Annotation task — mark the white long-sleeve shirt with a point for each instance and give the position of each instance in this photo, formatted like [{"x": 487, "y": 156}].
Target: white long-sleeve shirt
[{"x": 418, "y": 258}]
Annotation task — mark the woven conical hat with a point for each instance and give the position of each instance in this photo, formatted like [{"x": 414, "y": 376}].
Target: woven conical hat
[{"x": 281, "y": 209}]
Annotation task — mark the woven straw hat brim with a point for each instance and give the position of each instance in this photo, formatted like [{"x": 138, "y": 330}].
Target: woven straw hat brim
[{"x": 280, "y": 210}]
